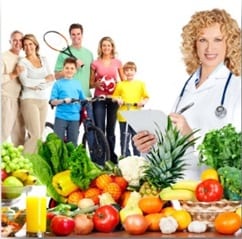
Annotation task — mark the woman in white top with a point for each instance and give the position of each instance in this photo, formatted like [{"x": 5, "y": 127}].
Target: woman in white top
[
  {"x": 212, "y": 54},
  {"x": 36, "y": 80}
]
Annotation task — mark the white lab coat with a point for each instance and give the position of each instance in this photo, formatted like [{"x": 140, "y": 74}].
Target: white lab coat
[{"x": 202, "y": 114}]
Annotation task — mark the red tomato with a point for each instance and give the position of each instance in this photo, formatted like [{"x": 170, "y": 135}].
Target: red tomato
[
  {"x": 106, "y": 218},
  {"x": 209, "y": 190},
  {"x": 50, "y": 215},
  {"x": 62, "y": 225}
]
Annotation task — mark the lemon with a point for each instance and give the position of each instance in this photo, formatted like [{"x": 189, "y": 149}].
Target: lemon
[
  {"x": 183, "y": 219},
  {"x": 238, "y": 211},
  {"x": 209, "y": 173}
]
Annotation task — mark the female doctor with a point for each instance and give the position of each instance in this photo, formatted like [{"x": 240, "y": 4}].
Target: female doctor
[{"x": 212, "y": 55}]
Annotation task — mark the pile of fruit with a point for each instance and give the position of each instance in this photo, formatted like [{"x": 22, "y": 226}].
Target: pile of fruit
[
  {"x": 118, "y": 208},
  {"x": 16, "y": 170},
  {"x": 137, "y": 195}
]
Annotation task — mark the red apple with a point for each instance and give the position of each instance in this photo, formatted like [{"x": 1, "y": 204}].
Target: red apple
[{"x": 4, "y": 174}]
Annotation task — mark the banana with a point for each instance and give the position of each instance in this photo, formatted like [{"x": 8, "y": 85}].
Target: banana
[
  {"x": 168, "y": 194},
  {"x": 186, "y": 184},
  {"x": 21, "y": 174},
  {"x": 31, "y": 180}
]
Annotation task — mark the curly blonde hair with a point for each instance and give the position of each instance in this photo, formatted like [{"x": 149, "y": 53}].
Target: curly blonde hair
[
  {"x": 229, "y": 27},
  {"x": 99, "y": 50}
]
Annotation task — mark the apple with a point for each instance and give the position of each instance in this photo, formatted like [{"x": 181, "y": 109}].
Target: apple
[
  {"x": 4, "y": 174},
  {"x": 12, "y": 187}
]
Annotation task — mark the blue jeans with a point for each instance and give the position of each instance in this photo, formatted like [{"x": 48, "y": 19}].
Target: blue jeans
[
  {"x": 125, "y": 137},
  {"x": 67, "y": 130},
  {"x": 105, "y": 117}
]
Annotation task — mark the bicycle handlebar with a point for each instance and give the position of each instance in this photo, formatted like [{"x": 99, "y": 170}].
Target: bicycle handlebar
[{"x": 99, "y": 98}]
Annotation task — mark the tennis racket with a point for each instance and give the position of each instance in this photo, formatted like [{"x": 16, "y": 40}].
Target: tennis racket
[{"x": 58, "y": 42}]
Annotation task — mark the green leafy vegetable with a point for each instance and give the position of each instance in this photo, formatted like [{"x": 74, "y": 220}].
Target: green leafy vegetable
[
  {"x": 221, "y": 147},
  {"x": 83, "y": 170},
  {"x": 44, "y": 173},
  {"x": 55, "y": 152},
  {"x": 230, "y": 178}
]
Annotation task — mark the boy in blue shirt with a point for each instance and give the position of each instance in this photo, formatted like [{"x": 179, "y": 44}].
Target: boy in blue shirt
[{"x": 67, "y": 114}]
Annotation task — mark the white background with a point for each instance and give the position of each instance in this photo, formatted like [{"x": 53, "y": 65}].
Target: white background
[{"x": 145, "y": 31}]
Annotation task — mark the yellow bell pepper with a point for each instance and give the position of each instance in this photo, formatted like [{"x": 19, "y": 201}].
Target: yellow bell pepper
[{"x": 63, "y": 184}]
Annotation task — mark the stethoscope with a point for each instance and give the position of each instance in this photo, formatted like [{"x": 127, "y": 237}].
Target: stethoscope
[{"x": 220, "y": 110}]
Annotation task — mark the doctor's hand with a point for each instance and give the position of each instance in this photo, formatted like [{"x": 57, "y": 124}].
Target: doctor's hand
[
  {"x": 144, "y": 141},
  {"x": 181, "y": 124}
]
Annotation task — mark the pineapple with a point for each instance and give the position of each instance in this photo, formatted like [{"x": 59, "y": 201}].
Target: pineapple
[
  {"x": 166, "y": 159},
  {"x": 146, "y": 189}
]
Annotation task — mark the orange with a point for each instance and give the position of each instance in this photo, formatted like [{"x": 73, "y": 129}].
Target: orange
[
  {"x": 75, "y": 197},
  {"x": 114, "y": 189},
  {"x": 153, "y": 220},
  {"x": 227, "y": 223},
  {"x": 209, "y": 173},
  {"x": 150, "y": 204},
  {"x": 93, "y": 193},
  {"x": 103, "y": 180},
  {"x": 183, "y": 219},
  {"x": 168, "y": 210},
  {"x": 121, "y": 181}
]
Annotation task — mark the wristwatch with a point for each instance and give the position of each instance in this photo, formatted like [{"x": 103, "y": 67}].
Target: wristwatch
[{"x": 64, "y": 101}]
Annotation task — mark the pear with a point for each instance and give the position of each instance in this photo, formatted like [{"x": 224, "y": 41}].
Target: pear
[
  {"x": 132, "y": 206},
  {"x": 12, "y": 187}
]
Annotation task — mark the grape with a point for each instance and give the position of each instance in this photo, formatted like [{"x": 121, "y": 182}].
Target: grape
[
  {"x": 3, "y": 165},
  {"x": 13, "y": 159},
  {"x": 3, "y": 152}
]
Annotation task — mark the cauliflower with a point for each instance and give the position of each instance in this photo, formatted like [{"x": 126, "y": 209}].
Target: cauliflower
[{"x": 132, "y": 168}]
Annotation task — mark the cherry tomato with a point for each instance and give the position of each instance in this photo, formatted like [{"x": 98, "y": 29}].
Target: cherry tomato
[
  {"x": 62, "y": 225},
  {"x": 209, "y": 190},
  {"x": 106, "y": 218}
]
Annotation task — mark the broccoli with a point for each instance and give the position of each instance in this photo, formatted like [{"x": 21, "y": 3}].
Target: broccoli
[{"x": 230, "y": 178}]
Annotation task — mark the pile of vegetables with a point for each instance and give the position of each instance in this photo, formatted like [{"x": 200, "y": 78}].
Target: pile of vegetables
[
  {"x": 221, "y": 150},
  {"x": 62, "y": 167}
]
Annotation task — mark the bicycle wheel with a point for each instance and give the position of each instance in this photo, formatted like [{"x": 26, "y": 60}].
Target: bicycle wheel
[
  {"x": 96, "y": 144},
  {"x": 49, "y": 128}
]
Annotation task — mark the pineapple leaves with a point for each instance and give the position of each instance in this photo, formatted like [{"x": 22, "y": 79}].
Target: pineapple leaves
[{"x": 166, "y": 159}]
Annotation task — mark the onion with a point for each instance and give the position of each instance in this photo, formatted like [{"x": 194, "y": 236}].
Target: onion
[
  {"x": 135, "y": 224},
  {"x": 85, "y": 203},
  {"x": 83, "y": 224}
]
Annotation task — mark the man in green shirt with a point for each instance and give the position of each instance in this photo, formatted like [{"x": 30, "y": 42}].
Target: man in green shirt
[{"x": 83, "y": 55}]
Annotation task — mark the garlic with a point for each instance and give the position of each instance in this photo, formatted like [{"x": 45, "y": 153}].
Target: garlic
[
  {"x": 197, "y": 227},
  {"x": 168, "y": 225}
]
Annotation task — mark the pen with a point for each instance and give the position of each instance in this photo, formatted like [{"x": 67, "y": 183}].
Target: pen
[{"x": 185, "y": 108}]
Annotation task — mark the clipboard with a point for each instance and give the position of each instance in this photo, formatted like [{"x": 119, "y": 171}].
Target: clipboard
[{"x": 150, "y": 120}]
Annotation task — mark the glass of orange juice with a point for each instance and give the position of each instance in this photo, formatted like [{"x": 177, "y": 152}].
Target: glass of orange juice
[{"x": 36, "y": 210}]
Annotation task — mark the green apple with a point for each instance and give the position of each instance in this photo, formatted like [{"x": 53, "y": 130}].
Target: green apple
[{"x": 12, "y": 187}]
